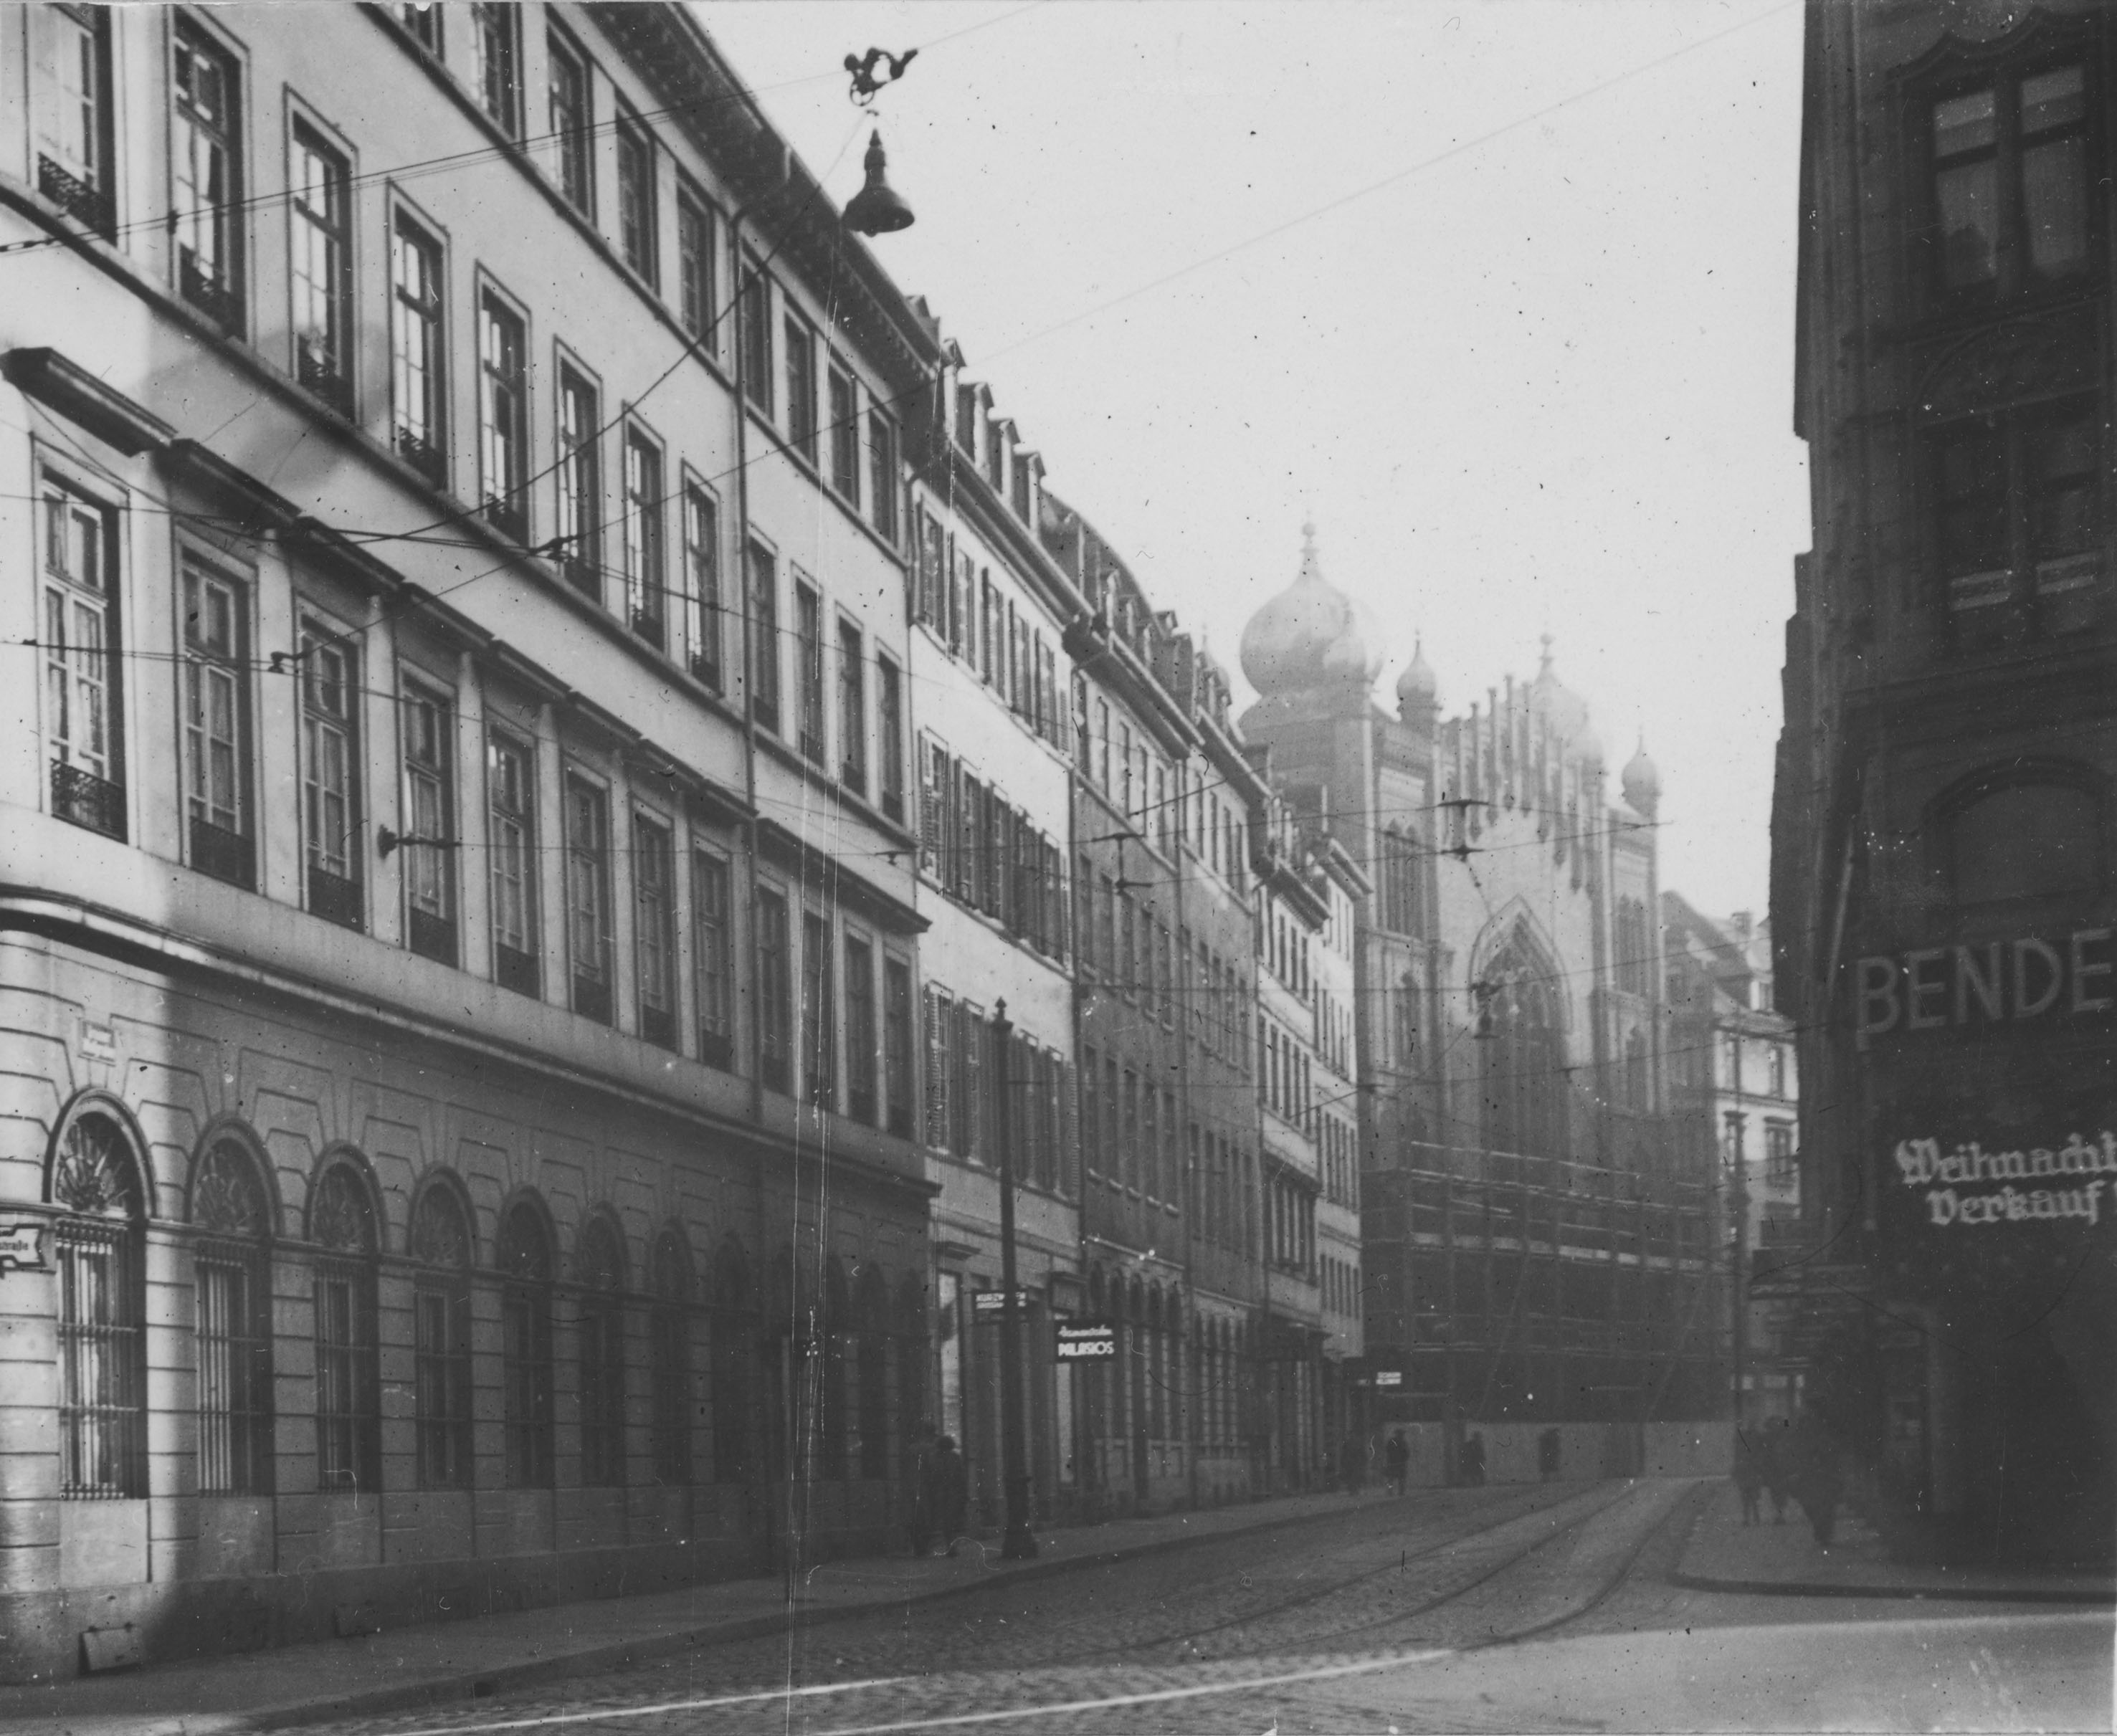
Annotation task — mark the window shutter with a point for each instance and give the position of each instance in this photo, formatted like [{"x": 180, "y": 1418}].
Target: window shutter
[
  {"x": 968, "y": 1082},
  {"x": 936, "y": 1017},
  {"x": 932, "y": 839}
]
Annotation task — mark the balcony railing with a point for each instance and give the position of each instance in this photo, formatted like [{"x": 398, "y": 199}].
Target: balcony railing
[
  {"x": 583, "y": 574},
  {"x": 717, "y": 1049},
  {"x": 336, "y": 899},
  {"x": 592, "y": 997},
  {"x": 209, "y": 291},
  {"x": 506, "y": 515},
  {"x": 707, "y": 670},
  {"x": 80, "y": 796},
  {"x": 423, "y": 455},
  {"x": 517, "y": 970},
  {"x": 650, "y": 627},
  {"x": 224, "y": 854},
  {"x": 431, "y": 937},
  {"x": 658, "y": 1025},
  {"x": 86, "y": 204},
  {"x": 327, "y": 380}
]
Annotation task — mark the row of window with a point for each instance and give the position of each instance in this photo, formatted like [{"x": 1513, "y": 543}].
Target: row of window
[
  {"x": 1338, "y": 1148},
  {"x": 1129, "y": 1140},
  {"x": 976, "y": 621},
  {"x": 871, "y": 1357},
  {"x": 1340, "y": 1280},
  {"x": 1286, "y": 1076},
  {"x": 963, "y": 1110},
  {"x": 984, "y": 852},
  {"x": 1289, "y": 1225},
  {"x": 1282, "y": 947}
]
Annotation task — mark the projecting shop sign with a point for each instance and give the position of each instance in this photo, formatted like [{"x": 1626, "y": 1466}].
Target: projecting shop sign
[{"x": 1085, "y": 1341}]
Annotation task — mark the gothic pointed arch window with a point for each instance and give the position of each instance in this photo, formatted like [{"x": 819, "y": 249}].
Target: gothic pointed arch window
[
  {"x": 231, "y": 1260},
  {"x": 103, "y": 1411},
  {"x": 525, "y": 1346},
  {"x": 1520, "y": 1035},
  {"x": 735, "y": 1329},
  {"x": 601, "y": 1342},
  {"x": 342, "y": 1222},
  {"x": 670, "y": 1330},
  {"x": 440, "y": 1318}
]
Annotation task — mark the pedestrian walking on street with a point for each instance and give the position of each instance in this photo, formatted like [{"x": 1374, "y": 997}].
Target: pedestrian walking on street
[
  {"x": 1397, "y": 1457},
  {"x": 949, "y": 1490},
  {"x": 1748, "y": 1475}
]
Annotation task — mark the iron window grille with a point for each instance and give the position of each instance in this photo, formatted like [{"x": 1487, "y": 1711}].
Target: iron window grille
[
  {"x": 442, "y": 1364},
  {"x": 103, "y": 1409},
  {"x": 348, "y": 1409},
  {"x": 234, "y": 1334},
  {"x": 602, "y": 1349},
  {"x": 525, "y": 1320}
]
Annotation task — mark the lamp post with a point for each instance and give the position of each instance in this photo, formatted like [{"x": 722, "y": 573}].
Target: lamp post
[{"x": 1018, "y": 1545}]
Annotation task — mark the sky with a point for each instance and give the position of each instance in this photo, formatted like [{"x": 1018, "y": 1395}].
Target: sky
[{"x": 1499, "y": 294}]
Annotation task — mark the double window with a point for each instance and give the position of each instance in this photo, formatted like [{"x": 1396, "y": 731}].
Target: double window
[
  {"x": 579, "y": 528},
  {"x": 645, "y": 582},
  {"x": 861, "y": 1058},
  {"x": 511, "y": 840},
  {"x": 79, "y": 659},
  {"x": 764, "y": 639},
  {"x": 882, "y": 463},
  {"x": 205, "y": 218},
  {"x": 819, "y": 1034},
  {"x": 321, "y": 268},
  {"x": 430, "y": 815},
  {"x": 2010, "y": 165},
  {"x": 896, "y": 1044},
  {"x": 503, "y": 415},
  {"x": 889, "y": 735},
  {"x": 418, "y": 383},
  {"x": 588, "y": 896},
  {"x": 330, "y": 773},
  {"x": 755, "y": 336}
]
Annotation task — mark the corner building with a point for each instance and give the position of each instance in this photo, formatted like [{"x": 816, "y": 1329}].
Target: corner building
[
  {"x": 1942, "y": 875},
  {"x": 458, "y": 946},
  {"x": 1536, "y": 1248}
]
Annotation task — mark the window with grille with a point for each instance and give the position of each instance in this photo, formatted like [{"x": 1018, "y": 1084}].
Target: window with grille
[
  {"x": 511, "y": 840},
  {"x": 774, "y": 990},
  {"x": 764, "y": 634},
  {"x": 697, "y": 271},
  {"x": 713, "y": 956},
  {"x": 580, "y": 478},
  {"x": 231, "y": 1262},
  {"x": 205, "y": 153},
  {"x": 330, "y": 773},
  {"x": 702, "y": 568},
  {"x": 103, "y": 1401},
  {"x": 572, "y": 122},
  {"x": 430, "y": 821},
  {"x": 497, "y": 73},
  {"x": 81, "y": 663},
  {"x": 819, "y": 1034},
  {"x": 440, "y": 1322},
  {"x": 525, "y": 1347},
  {"x": 216, "y": 725},
  {"x": 653, "y": 929},
  {"x": 319, "y": 209},
  {"x": 348, "y": 1410},
  {"x": 602, "y": 1349},
  {"x": 636, "y": 212},
  {"x": 588, "y": 897},
  {"x": 646, "y": 583},
  {"x": 418, "y": 383},
  {"x": 503, "y": 400},
  {"x": 670, "y": 1329}
]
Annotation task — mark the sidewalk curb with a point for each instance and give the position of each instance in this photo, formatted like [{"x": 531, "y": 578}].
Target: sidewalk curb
[
  {"x": 479, "y": 1683},
  {"x": 1944, "y": 1594}
]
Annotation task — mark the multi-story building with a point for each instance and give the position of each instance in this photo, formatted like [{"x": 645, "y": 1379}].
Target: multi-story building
[
  {"x": 1734, "y": 1097},
  {"x": 1942, "y": 891},
  {"x": 460, "y": 958},
  {"x": 1532, "y": 1248},
  {"x": 1334, "y": 989},
  {"x": 991, "y": 609}
]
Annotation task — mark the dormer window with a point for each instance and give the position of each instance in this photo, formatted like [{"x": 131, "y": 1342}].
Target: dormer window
[
  {"x": 966, "y": 419},
  {"x": 2010, "y": 184}
]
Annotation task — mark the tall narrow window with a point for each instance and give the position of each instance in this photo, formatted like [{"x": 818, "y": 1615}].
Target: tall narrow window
[
  {"x": 231, "y": 1260},
  {"x": 654, "y": 929},
  {"x": 755, "y": 336},
  {"x": 79, "y": 655},
  {"x": 882, "y": 462},
  {"x": 503, "y": 399},
  {"x": 601, "y": 1273},
  {"x": 525, "y": 1347},
  {"x": 572, "y": 123},
  {"x": 698, "y": 281},
  {"x": 205, "y": 219},
  {"x": 349, "y": 1400},
  {"x": 670, "y": 1329},
  {"x": 702, "y": 568},
  {"x": 852, "y": 709},
  {"x": 417, "y": 385},
  {"x": 216, "y": 726},
  {"x": 713, "y": 957},
  {"x": 844, "y": 438},
  {"x": 498, "y": 79},
  {"x": 809, "y": 651},
  {"x": 733, "y": 1369},
  {"x": 889, "y": 736},
  {"x": 800, "y": 388},
  {"x": 2010, "y": 188},
  {"x": 860, "y": 1056},
  {"x": 896, "y": 1044},
  {"x": 588, "y": 897},
  {"x": 774, "y": 990},
  {"x": 102, "y": 1372},
  {"x": 331, "y": 775},
  {"x": 440, "y": 1329},
  {"x": 820, "y": 1020},
  {"x": 579, "y": 528},
  {"x": 429, "y": 823},
  {"x": 511, "y": 839},
  {"x": 320, "y": 213},
  {"x": 636, "y": 212},
  {"x": 74, "y": 165},
  {"x": 646, "y": 583},
  {"x": 764, "y": 639}
]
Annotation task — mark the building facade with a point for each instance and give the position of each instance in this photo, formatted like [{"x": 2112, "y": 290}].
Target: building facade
[
  {"x": 1535, "y": 1248},
  {"x": 1942, "y": 884},
  {"x": 461, "y": 952}
]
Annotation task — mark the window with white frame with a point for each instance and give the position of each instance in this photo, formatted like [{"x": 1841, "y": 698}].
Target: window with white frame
[
  {"x": 216, "y": 724},
  {"x": 579, "y": 475},
  {"x": 330, "y": 709},
  {"x": 74, "y": 134},
  {"x": 428, "y": 745},
  {"x": 654, "y": 928},
  {"x": 79, "y": 641},
  {"x": 503, "y": 415},
  {"x": 206, "y": 158},
  {"x": 418, "y": 384},
  {"x": 588, "y": 896},
  {"x": 319, "y": 212},
  {"x": 712, "y": 953},
  {"x": 645, "y": 580},
  {"x": 701, "y": 568},
  {"x": 511, "y": 840}
]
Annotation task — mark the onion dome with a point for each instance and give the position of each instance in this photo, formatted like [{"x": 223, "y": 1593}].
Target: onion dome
[
  {"x": 1417, "y": 687},
  {"x": 1641, "y": 782},
  {"x": 1566, "y": 712},
  {"x": 1311, "y": 635}
]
